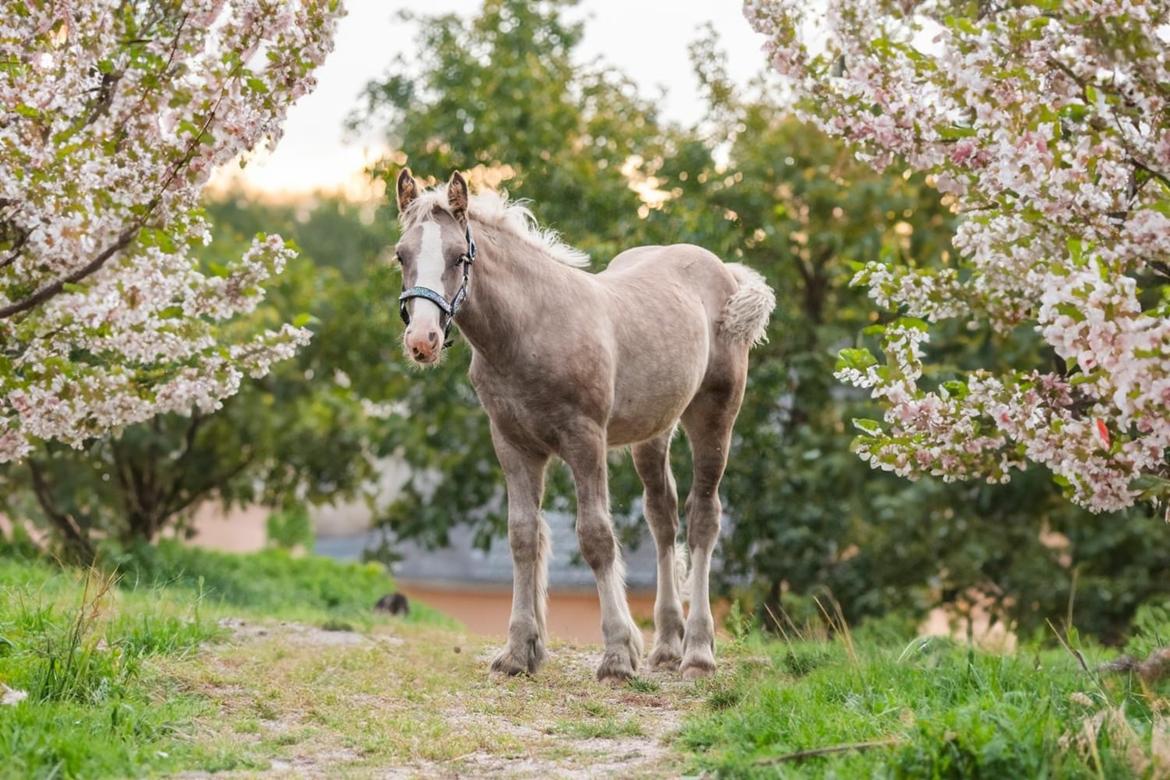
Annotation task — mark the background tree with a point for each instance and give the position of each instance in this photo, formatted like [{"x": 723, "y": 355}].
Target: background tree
[
  {"x": 806, "y": 515},
  {"x": 751, "y": 183},
  {"x": 310, "y": 431},
  {"x": 115, "y": 115}
]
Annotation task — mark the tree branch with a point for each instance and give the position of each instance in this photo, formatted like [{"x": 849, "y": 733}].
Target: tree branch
[
  {"x": 131, "y": 493},
  {"x": 177, "y": 466},
  {"x": 211, "y": 485},
  {"x": 128, "y": 235},
  {"x": 800, "y": 755},
  {"x": 54, "y": 288},
  {"x": 75, "y": 537},
  {"x": 1083, "y": 84}
]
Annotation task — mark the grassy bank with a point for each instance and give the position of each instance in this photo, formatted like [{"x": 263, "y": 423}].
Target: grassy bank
[
  {"x": 84, "y": 654},
  {"x": 172, "y": 660},
  {"x": 871, "y": 706}
]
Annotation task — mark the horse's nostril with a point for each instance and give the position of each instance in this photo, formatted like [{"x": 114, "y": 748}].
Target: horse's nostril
[{"x": 433, "y": 338}]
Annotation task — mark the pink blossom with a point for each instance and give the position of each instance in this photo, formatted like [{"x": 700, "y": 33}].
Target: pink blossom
[
  {"x": 104, "y": 153},
  {"x": 1050, "y": 127}
]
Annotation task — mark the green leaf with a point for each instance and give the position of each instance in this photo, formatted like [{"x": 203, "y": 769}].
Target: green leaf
[
  {"x": 870, "y": 427},
  {"x": 956, "y": 388},
  {"x": 953, "y": 132},
  {"x": 912, "y": 323},
  {"x": 856, "y": 358},
  {"x": 1071, "y": 310}
]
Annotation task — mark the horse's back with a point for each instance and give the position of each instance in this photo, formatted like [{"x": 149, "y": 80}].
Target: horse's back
[
  {"x": 670, "y": 258},
  {"x": 654, "y": 269}
]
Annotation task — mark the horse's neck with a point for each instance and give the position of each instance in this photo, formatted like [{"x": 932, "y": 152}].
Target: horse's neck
[{"x": 514, "y": 288}]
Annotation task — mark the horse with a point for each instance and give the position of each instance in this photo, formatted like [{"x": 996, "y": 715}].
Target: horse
[{"x": 572, "y": 364}]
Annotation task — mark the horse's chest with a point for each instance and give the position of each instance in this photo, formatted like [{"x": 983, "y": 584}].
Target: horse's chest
[{"x": 537, "y": 405}]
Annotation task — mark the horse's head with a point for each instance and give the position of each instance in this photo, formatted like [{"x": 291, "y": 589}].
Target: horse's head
[{"x": 435, "y": 253}]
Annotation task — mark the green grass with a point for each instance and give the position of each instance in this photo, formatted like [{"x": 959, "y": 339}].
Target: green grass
[
  {"x": 929, "y": 708},
  {"x": 92, "y": 650},
  {"x": 603, "y": 728},
  {"x": 271, "y": 584},
  {"x": 82, "y": 653},
  {"x": 128, "y": 672}
]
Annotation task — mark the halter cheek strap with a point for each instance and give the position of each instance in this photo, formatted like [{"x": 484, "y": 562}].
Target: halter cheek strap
[{"x": 448, "y": 308}]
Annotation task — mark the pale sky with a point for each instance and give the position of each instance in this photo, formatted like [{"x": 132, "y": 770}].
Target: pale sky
[{"x": 647, "y": 39}]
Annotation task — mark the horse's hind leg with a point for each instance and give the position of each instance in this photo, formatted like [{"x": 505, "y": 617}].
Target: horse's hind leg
[
  {"x": 528, "y": 538},
  {"x": 660, "y": 504},
  {"x": 708, "y": 422},
  {"x": 585, "y": 455}
]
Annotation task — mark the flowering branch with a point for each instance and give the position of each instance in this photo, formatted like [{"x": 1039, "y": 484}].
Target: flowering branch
[
  {"x": 1047, "y": 126},
  {"x": 114, "y": 117}
]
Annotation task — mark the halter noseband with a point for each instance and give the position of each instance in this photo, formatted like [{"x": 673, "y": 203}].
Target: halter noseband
[{"x": 448, "y": 308}]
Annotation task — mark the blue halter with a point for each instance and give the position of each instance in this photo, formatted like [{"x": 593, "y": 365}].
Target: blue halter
[{"x": 448, "y": 308}]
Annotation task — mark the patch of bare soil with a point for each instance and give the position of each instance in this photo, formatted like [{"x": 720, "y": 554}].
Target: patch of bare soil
[
  {"x": 301, "y": 634},
  {"x": 406, "y": 702},
  {"x": 632, "y": 740}
]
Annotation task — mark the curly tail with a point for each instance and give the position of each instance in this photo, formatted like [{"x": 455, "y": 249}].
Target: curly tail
[{"x": 745, "y": 315}]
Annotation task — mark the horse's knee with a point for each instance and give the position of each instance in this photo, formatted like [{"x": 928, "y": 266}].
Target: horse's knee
[
  {"x": 703, "y": 515},
  {"x": 524, "y": 541},
  {"x": 598, "y": 544},
  {"x": 661, "y": 511}
]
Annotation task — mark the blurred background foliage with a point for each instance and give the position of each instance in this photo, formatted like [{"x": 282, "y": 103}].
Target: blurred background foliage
[{"x": 501, "y": 95}]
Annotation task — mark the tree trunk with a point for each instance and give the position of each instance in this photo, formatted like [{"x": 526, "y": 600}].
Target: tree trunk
[{"x": 76, "y": 545}]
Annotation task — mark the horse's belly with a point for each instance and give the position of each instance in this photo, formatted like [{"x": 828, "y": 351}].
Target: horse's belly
[
  {"x": 631, "y": 429},
  {"x": 649, "y": 399}
]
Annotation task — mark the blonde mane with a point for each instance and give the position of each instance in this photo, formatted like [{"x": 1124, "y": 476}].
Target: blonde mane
[{"x": 495, "y": 210}]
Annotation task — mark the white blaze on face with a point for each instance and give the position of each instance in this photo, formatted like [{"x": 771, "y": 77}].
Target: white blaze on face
[{"x": 431, "y": 266}]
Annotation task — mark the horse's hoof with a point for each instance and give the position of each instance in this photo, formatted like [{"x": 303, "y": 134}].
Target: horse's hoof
[
  {"x": 623, "y": 652},
  {"x": 696, "y": 669},
  {"x": 698, "y": 661},
  {"x": 506, "y": 664},
  {"x": 511, "y": 663},
  {"x": 664, "y": 658},
  {"x": 617, "y": 667}
]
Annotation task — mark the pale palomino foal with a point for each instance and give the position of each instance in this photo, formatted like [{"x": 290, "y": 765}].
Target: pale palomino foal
[{"x": 571, "y": 364}]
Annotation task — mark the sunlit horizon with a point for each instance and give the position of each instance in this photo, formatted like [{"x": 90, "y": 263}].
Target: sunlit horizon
[{"x": 317, "y": 156}]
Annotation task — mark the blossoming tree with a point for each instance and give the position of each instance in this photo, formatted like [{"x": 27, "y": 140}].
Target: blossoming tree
[
  {"x": 1046, "y": 123},
  {"x": 113, "y": 116}
]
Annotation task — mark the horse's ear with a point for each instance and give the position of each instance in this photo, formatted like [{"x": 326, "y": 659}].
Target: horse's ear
[
  {"x": 457, "y": 196},
  {"x": 407, "y": 189}
]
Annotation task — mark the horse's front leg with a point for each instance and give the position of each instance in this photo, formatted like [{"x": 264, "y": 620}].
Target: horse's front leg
[
  {"x": 623, "y": 641},
  {"x": 528, "y": 538}
]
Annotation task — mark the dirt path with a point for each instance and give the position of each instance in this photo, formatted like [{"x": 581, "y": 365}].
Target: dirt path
[{"x": 404, "y": 701}]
